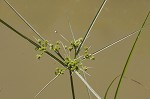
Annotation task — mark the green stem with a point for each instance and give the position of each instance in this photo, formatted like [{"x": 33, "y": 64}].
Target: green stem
[
  {"x": 58, "y": 53},
  {"x": 27, "y": 23},
  {"x": 23, "y": 19},
  {"x": 91, "y": 25},
  {"x": 72, "y": 85},
  {"x": 31, "y": 41},
  {"x": 125, "y": 67},
  {"x": 88, "y": 91},
  {"x": 106, "y": 93}
]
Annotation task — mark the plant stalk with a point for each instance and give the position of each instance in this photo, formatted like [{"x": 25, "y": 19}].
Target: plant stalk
[
  {"x": 91, "y": 25},
  {"x": 128, "y": 59},
  {"x": 72, "y": 85},
  {"x": 31, "y": 41}
]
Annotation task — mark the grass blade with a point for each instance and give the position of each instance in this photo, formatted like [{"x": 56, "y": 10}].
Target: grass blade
[
  {"x": 84, "y": 76},
  {"x": 64, "y": 48},
  {"x": 135, "y": 81},
  {"x": 88, "y": 91},
  {"x": 51, "y": 55},
  {"x": 130, "y": 54},
  {"x": 20, "y": 34},
  {"x": 106, "y": 93},
  {"x": 23, "y": 19},
  {"x": 90, "y": 27},
  {"x": 70, "y": 27},
  {"x": 32, "y": 42},
  {"x": 72, "y": 84},
  {"x": 46, "y": 85},
  {"x": 88, "y": 86},
  {"x": 112, "y": 44},
  {"x": 109, "y": 45},
  {"x": 27, "y": 23},
  {"x": 65, "y": 38}
]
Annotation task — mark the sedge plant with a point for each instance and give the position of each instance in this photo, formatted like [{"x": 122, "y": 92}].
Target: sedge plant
[{"x": 73, "y": 64}]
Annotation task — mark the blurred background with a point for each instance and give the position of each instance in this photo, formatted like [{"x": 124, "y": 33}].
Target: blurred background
[{"x": 22, "y": 76}]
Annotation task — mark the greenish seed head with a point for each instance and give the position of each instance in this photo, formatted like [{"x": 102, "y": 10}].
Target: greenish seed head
[
  {"x": 59, "y": 71},
  {"x": 38, "y": 56},
  {"x": 39, "y": 41},
  {"x": 70, "y": 48}
]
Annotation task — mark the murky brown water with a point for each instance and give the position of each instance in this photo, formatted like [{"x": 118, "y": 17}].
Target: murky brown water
[{"x": 22, "y": 75}]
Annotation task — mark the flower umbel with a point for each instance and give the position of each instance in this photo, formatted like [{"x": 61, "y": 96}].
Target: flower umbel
[{"x": 72, "y": 64}]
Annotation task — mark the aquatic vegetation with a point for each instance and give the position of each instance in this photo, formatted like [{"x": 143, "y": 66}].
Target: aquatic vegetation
[{"x": 70, "y": 63}]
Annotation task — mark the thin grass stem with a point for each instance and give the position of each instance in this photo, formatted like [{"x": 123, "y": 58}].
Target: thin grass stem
[
  {"x": 84, "y": 76},
  {"x": 70, "y": 27},
  {"x": 112, "y": 82},
  {"x": 88, "y": 91},
  {"x": 106, "y": 93},
  {"x": 64, "y": 48},
  {"x": 27, "y": 23},
  {"x": 51, "y": 55},
  {"x": 80, "y": 56},
  {"x": 85, "y": 72},
  {"x": 20, "y": 34},
  {"x": 72, "y": 85},
  {"x": 32, "y": 42},
  {"x": 91, "y": 25},
  {"x": 64, "y": 37},
  {"x": 46, "y": 85},
  {"x": 109, "y": 45},
  {"x": 137, "y": 82},
  {"x": 88, "y": 86},
  {"x": 128, "y": 59}
]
